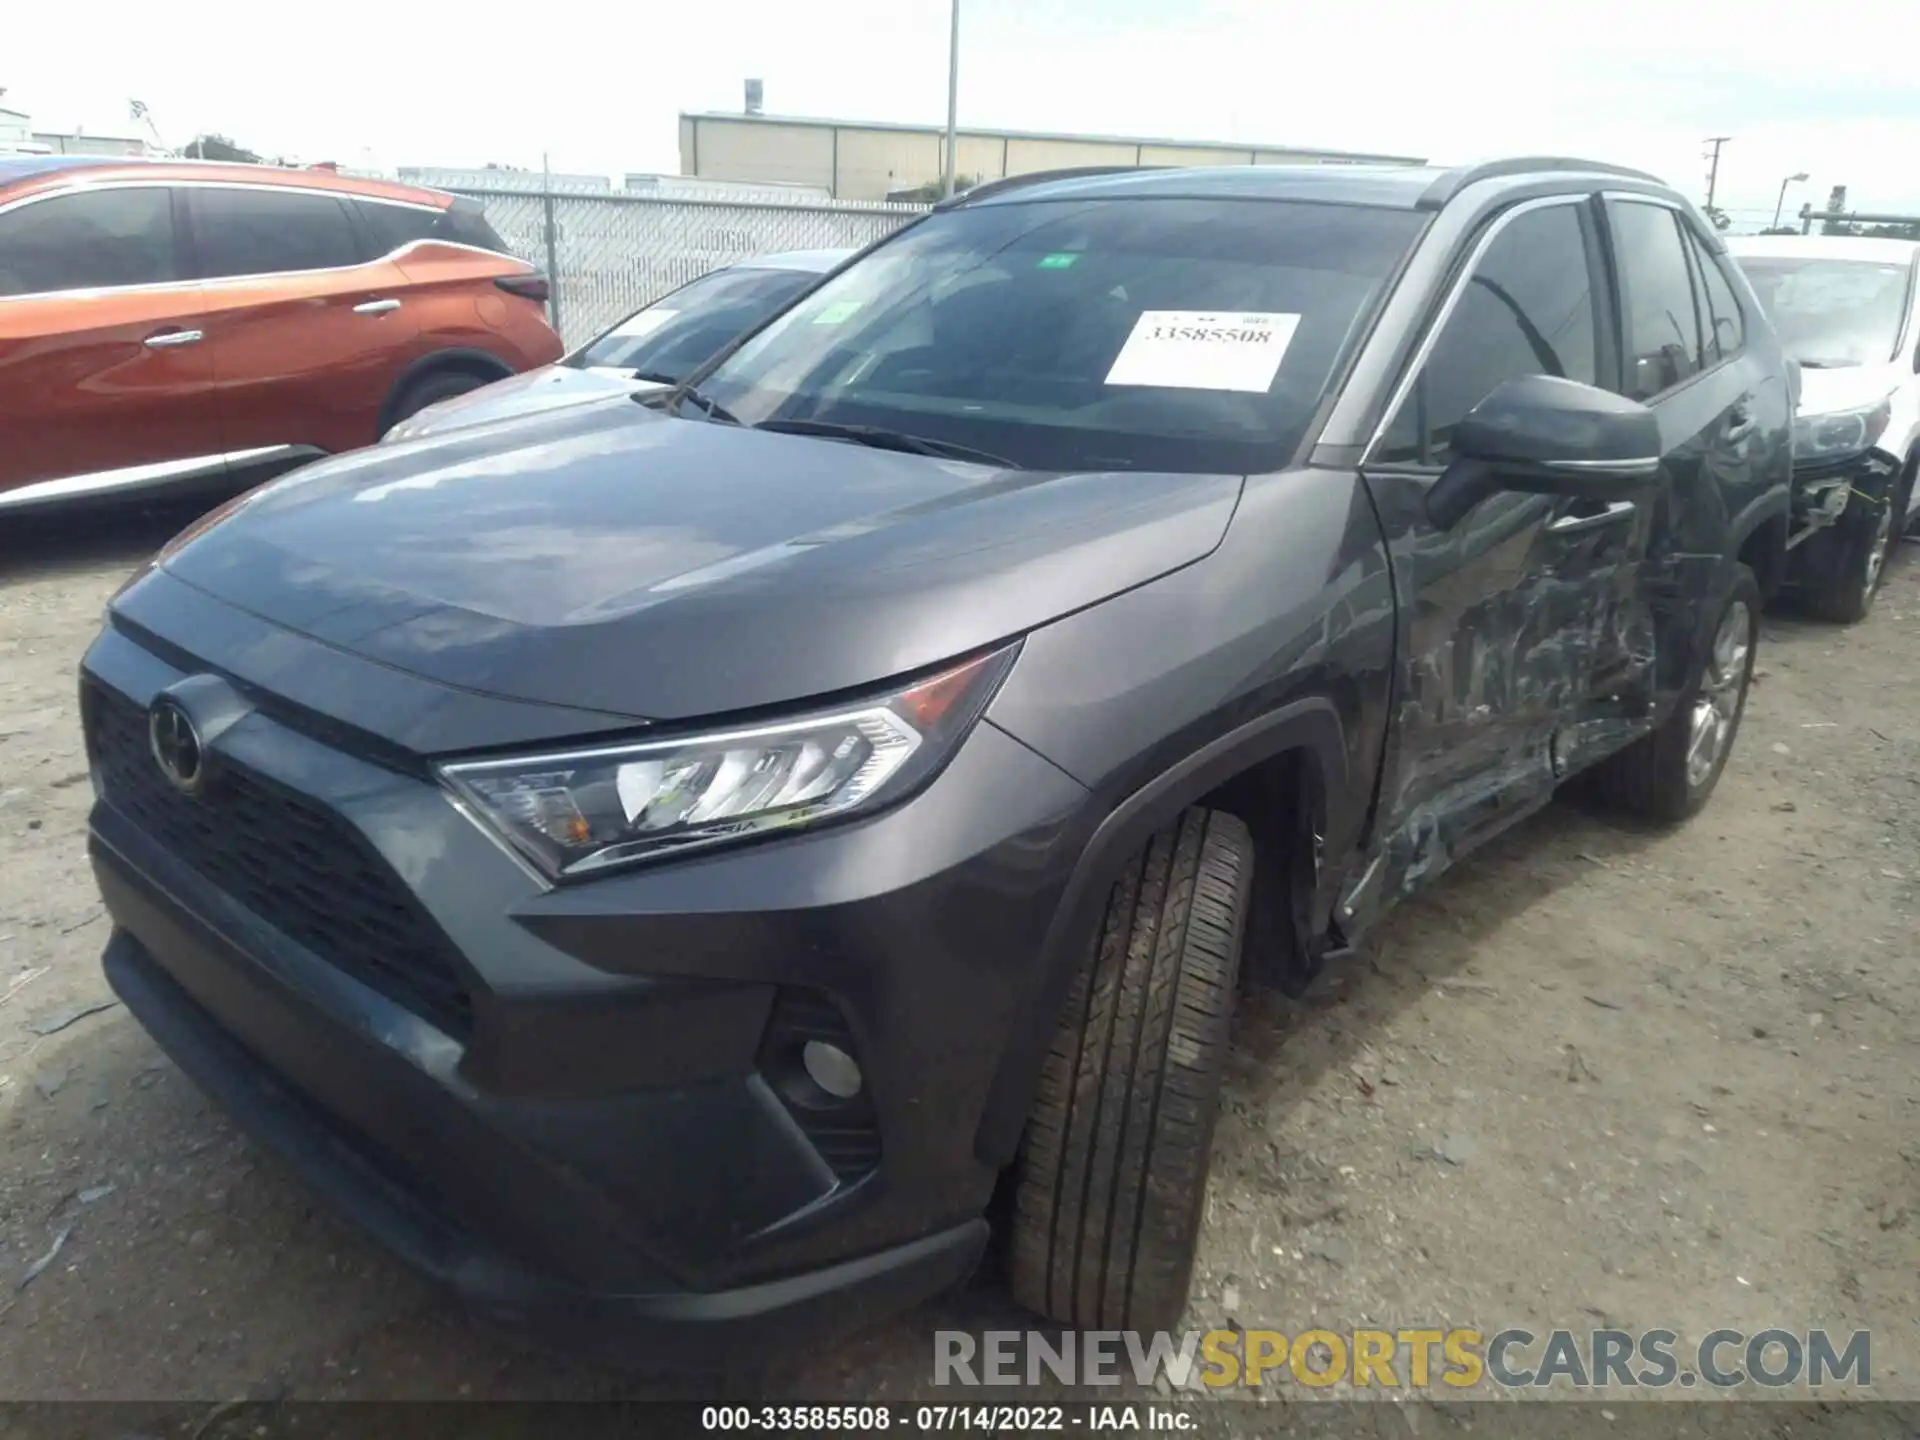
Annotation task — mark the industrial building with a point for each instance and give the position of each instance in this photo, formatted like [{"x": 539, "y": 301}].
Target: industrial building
[{"x": 873, "y": 160}]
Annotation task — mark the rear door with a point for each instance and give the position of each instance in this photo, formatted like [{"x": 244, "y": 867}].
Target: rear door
[
  {"x": 1723, "y": 410},
  {"x": 105, "y": 379},
  {"x": 308, "y": 335},
  {"x": 1508, "y": 617}
]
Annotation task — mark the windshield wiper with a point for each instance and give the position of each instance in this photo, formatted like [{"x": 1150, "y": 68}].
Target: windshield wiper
[
  {"x": 715, "y": 410},
  {"x": 1828, "y": 364},
  {"x": 883, "y": 439},
  {"x": 656, "y": 377}
]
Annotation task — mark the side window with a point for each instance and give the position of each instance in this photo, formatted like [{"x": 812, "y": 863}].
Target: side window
[
  {"x": 88, "y": 240},
  {"x": 465, "y": 223},
  {"x": 1663, "y": 328},
  {"x": 391, "y": 226},
  {"x": 268, "y": 232},
  {"x": 1724, "y": 332},
  {"x": 1527, "y": 309}
]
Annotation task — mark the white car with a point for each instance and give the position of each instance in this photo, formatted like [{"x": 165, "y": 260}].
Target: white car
[
  {"x": 1848, "y": 310},
  {"x": 653, "y": 349}
]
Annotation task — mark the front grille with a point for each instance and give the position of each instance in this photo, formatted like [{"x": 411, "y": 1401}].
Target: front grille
[{"x": 289, "y": 861}]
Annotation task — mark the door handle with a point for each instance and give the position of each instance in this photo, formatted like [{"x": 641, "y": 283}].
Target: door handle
[
  {"x": 376, "y": 307},
  {"x": 167, "y": 339},
  {"x": 1616, "y": 510}
]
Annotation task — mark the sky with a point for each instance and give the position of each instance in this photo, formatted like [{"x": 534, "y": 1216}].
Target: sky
[{"x": 596, "y": 85}]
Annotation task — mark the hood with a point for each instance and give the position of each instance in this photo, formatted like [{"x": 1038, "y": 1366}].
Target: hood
[
  {"x": 1845, "y": 387},
  {"x": 607, "y": 557},
  {"x": 551, "y": 387}
]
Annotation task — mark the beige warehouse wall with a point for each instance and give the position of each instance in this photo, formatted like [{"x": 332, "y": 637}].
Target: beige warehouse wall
[
  {"x": 980, "y": 156},
  {"x": 787, "y": 154},
  {"x": 872, "y": 162},
  {"x": 863, "y": 163},
  {"x": 1025, "y": 156},
  {"x": 1191, "y": 155}
]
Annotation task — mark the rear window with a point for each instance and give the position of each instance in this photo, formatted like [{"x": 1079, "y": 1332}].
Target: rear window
[
  {"x": 465, "y": 223},
  {"x": 676, "y": 334},
  {"x": 391, "y": 226},
  {"x": 1159, "y": 334}
]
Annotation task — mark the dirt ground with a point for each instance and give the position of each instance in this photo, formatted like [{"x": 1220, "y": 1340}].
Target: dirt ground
[{"x": 1598, "y": 1076}]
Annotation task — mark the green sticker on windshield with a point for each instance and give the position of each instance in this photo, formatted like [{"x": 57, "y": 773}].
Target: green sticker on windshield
[
  {"x": 1059, "y": 260},
  {"x": 837, "y": 313}
]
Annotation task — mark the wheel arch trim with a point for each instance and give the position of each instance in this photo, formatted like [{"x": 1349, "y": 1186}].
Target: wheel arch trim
[
  {"x": 461, "y": 359},
  {"x": 1310, "y": 725}
]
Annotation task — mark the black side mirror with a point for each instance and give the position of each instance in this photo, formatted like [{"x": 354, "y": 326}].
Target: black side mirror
[{"x": 1545, "y": 436}]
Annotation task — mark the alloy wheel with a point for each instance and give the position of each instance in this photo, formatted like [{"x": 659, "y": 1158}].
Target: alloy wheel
[
  {"x": 1882, "y": 544},
  {"x": 1717, "y": 705}
]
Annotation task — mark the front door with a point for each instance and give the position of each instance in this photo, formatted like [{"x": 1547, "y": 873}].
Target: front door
[
  {"x": 1521, "y": 626},
  {"x": 105, "y": 377}
]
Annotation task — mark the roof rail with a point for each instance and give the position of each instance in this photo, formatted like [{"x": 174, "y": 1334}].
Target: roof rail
[
  {"x": 1037, "y": 177},
  {"x": 1457, "y": 179}
]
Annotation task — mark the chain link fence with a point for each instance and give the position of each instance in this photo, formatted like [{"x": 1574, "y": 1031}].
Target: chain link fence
[{"x": 607, "y": 255}]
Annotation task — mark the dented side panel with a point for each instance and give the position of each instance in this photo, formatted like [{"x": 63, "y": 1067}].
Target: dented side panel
[{"x": 1526, "y": 652}]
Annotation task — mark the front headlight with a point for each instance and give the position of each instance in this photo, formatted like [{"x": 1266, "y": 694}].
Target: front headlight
[
  {"x": 1847, "y": 432},
  {"x": 581, "y": 812}
]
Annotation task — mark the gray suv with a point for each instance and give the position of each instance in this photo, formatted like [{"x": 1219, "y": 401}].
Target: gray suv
[{"x": 663, "y": 867}]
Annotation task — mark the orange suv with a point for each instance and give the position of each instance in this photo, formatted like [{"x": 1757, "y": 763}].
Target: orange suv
[{"x": 169, "y": 325}]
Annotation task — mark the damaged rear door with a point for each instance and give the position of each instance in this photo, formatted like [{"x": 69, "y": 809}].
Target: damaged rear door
[{"x": 1524, "y": 630}]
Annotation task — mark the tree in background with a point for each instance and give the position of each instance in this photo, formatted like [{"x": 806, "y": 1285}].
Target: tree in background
[
  {"x": 1903, "y": 230},
  {"x": 219, "y": 147}
]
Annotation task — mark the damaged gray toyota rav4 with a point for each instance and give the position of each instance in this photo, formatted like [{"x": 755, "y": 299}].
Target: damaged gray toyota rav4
[{"x": 675, "y": 871}]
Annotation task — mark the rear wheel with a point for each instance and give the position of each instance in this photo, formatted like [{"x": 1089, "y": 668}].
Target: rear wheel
[
  {"x": 1670, "y": 773},
  {"x": 431, "y": 390},
  {"x": 1851, "y": 558},
  {"x": 1113, "y": 1168}
]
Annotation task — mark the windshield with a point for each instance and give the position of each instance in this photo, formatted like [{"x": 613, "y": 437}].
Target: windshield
[
  {"x": 678, "y": 333},
  {"x": 1832, "y": 312},
  {"x": 1173, "y": 335}
]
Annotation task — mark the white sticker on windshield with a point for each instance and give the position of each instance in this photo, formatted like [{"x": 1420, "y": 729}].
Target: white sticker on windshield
[
  {"x": 645, "y": 323},
  {"x": 1200, "y": 350}
]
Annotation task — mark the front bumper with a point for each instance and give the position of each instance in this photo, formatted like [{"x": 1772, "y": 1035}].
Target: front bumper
[
  {"x": 591, "y": 1137},
  {"x": 1823, "y": 489}
]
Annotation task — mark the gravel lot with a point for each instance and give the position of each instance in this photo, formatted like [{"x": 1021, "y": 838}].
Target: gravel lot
[{"x": 1599, "y": 1076}]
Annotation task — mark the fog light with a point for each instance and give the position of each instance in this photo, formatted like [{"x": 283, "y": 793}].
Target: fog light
[{"x": 831, "y": 1068}]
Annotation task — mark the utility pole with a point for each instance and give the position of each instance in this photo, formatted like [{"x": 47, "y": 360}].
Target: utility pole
[
  {"x": 1713, "y": 172},
  {"x": 953, "y": 97}
]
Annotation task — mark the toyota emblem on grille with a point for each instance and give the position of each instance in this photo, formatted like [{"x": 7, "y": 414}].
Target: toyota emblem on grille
[{"x": 176, "y": 745}]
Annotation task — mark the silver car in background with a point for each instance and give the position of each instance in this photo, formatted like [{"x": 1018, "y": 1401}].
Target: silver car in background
[{"x": 654, "y": 348}]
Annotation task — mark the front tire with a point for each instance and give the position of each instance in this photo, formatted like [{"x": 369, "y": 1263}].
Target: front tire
[
  {"x": 1852, "y": 556},
  {"x": 1112, "y": 1171},
  {"x": 1670, "y": 773}
]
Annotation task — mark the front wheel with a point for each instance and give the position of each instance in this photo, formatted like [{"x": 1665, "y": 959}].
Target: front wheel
[
  {"x": 1670, "y": 773},
  {"x": 1113, "y": 1168},
  {"x": 1851, "y": 558}
]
